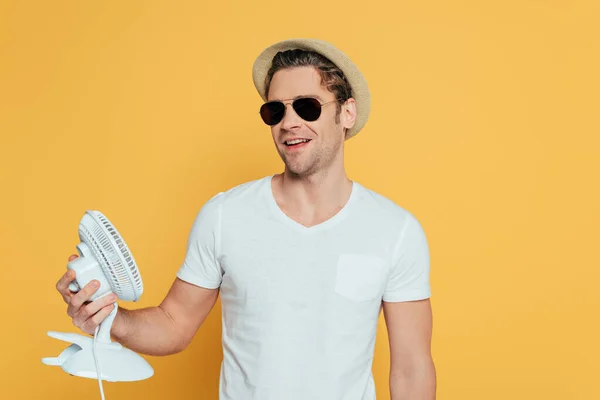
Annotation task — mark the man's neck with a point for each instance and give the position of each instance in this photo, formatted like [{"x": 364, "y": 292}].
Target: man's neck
[{"x": 313, "y": 199}]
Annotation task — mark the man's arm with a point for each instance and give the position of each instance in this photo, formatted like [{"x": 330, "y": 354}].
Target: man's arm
[
  {"x": 412, "y": 371},
  {"x": 157, "y": 331},
  {"x": 168, "y": 328}
]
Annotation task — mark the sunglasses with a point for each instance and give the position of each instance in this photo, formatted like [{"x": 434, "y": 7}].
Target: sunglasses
[{"x": 307, "y": 108}]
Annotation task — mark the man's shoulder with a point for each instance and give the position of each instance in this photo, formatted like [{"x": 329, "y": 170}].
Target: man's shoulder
[
  {"x": 384, "y": 208},
  {"x": 240, "y": 192},
  {"x": 379, "y": 201}
]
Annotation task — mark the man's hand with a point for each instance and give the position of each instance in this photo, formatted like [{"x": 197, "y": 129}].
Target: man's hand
[{"x": 86, "y": 315}]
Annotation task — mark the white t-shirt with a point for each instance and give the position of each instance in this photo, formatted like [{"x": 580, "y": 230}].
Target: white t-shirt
[{"x": 300, "y": 305}]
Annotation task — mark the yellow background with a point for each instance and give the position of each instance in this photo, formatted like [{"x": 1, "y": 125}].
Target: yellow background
[{"x": 484, "y": 125}]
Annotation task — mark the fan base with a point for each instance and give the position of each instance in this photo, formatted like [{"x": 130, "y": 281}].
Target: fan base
[{"x": 117, "y": 363}]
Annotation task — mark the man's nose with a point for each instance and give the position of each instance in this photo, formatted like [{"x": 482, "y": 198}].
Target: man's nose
[{"x": 290, "y": 119}]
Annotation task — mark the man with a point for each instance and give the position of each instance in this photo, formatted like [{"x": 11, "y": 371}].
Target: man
[{"x": 304, "y": 260}]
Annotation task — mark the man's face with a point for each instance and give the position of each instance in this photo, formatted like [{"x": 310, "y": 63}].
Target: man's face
[{"x": 325, "y": 136}]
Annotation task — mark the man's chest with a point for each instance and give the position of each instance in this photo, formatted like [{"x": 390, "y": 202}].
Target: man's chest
[{"x": 303, "y": 272}]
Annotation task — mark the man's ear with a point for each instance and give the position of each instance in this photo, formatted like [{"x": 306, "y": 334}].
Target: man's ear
[{"x": 348, "y": 117}]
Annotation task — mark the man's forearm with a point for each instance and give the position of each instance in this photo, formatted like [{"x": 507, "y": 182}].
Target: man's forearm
[
  {"x": 148, "y": 331},
  {"x": 414, "y": 383}
]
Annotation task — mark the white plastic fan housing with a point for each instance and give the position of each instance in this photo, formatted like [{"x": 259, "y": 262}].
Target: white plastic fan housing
[
  {"x": 101, "y": 244},
  {"x": 104, "y": 256}
]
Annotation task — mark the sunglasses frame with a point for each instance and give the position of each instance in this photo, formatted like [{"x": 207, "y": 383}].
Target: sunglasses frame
[{"x": 291, "y": 102}]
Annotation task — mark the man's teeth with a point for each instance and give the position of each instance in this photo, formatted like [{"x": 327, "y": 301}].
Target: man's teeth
[{"x": 296, "y": 141}]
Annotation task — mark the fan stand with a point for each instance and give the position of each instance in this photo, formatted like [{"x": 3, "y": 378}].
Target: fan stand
[{"x": 117, "y": 363}]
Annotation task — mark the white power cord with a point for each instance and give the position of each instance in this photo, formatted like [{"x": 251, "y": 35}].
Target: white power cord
[{"x": 98, "y": 373}]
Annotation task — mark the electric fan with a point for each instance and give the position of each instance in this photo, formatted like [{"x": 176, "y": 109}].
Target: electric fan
[{"x": 105, "y": 257}]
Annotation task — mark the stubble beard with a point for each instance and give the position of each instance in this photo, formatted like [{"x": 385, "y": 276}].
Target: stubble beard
[{"x": 309, "y": 164}]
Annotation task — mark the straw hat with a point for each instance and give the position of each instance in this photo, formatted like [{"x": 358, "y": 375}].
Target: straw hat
[{"x": 360, "y": 89}]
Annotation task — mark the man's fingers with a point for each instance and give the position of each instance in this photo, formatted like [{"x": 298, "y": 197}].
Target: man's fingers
[
  {"x": 62, "y": 286},
  {"x": 81, "y": 297},
  {"x": 93, "y": 307},
  {"x": 91, "y": 323},
  {"x": 63, "y": 283}
]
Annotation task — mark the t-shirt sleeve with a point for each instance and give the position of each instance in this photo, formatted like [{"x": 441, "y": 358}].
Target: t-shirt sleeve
[
  {"x": 201, "y": 265},
  {"x": 409, "y": 275}
]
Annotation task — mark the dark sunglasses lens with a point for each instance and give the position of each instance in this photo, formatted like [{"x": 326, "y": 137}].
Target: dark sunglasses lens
[
  {"x": 272, "y": 112},
  {"x": 308, "y": 109}
]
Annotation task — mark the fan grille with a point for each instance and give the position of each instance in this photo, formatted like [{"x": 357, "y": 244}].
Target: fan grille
[{"x": 113, "y": 255}]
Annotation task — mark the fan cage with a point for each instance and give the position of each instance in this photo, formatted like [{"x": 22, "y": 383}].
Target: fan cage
[{"x": 119, "y": 267}]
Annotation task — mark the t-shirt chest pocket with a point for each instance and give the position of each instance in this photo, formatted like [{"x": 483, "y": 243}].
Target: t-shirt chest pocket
[{"x": 360, "y": 277}]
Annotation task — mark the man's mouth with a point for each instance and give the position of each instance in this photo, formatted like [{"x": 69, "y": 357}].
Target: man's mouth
[{"x": 296, "y": 142}]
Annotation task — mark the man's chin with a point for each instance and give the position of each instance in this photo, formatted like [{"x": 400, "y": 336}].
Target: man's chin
[{"x": 299, "y": 171}]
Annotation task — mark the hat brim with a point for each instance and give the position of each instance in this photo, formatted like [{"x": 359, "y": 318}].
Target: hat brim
[{"x": 360, "y": 89}]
